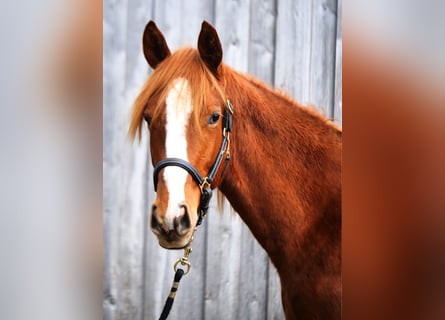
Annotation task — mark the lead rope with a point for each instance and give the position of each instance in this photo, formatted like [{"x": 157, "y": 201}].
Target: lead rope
[{"x": 179, "y": 272}]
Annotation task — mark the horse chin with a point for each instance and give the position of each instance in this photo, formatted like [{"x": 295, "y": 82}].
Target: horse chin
[{"x": 174, "y": 243}]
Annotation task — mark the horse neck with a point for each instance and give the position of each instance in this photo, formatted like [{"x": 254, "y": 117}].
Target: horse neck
[{"x": 284, "y": 174}]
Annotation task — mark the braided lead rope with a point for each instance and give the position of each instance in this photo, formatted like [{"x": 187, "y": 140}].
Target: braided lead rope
[
  {"x": 169, "y": 302},
  {"x": 178, "y": 275}
]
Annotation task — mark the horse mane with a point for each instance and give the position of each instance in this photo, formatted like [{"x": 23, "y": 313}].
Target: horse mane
[
  {"x": 234, "y": 76},
  {"x": 185, "y": 63}
]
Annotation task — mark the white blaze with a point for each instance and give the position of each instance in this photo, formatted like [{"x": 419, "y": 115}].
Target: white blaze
[{"x": 178, "y": 111}]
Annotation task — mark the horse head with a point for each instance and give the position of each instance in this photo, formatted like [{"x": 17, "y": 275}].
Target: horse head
[{"x": 185, "y": 109}]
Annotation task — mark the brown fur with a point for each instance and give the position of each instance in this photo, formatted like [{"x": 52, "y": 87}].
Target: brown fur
[
  {"x": 284, "y": 177},
  {"x": 291, "y": 156}
]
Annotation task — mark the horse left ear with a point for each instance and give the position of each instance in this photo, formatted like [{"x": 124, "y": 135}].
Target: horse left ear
[{"x": 209, "y": 47}]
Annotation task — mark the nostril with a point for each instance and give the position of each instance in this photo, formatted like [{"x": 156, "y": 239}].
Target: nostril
[
  {"x": 182, "y": 222},
  {"x": 154, "y": 220}
]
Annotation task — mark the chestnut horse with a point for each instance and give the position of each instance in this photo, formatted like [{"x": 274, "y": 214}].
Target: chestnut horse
[{"x": 283, "y": 177}]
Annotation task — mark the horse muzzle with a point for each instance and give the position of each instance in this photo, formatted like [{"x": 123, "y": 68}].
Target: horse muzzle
[{"x": 173, "y": 231}]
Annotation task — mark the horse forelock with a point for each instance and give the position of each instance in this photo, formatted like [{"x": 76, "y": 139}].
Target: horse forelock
[{"x": 184, "y": 63}]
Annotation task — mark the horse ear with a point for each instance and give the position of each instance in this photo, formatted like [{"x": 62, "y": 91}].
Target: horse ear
[
  {"x": 154, "y": 45},
  {"x": 209, "y": 47}
]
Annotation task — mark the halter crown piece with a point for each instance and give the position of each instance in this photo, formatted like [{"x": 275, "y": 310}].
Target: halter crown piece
[{"x": 206, "y": 182}]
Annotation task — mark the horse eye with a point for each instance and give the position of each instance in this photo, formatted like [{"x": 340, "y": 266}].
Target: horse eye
[
  {"x": 214, "y": 118},
  {"x": 148, "y": 119}
]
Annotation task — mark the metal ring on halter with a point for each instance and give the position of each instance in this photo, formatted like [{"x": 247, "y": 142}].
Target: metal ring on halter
[{"x": 184, "y": 263}]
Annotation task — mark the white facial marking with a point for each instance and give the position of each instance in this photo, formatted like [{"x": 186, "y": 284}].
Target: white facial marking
[{"x": 178, "y": 111}]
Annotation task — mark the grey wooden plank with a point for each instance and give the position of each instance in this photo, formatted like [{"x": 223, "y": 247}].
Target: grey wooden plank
[
  {"x": 138, "y": 14},
  {"x": 168, "y": 16},
  {"x": 305, "y": 44},
  {"x": 114, "y": 41},
  {"x": 130, "y": 233},
  {"x": 253, "y": 278},
  {"x": 180, "y": 21},
  {"x": 232, "y": 23},
  {"x": 262, "y": 40},
  {"x": 337, "y": 114},
  {"x": 322, "y": 57},
  {"x": 124, "y": 181},
  {"x": 136, "y": 68},
  {"x": 222, "y": 260},
  {"x": 274, "y": 304},
  {"x": 292, "y": 53}
]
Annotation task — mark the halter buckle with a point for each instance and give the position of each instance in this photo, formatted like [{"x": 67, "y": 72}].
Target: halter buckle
[{"x": 204, "y": 183}]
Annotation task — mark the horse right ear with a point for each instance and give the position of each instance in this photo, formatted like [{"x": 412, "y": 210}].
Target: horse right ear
[
  {"x": 154, "y": 45},
  {"x": 209, "y": 47}
]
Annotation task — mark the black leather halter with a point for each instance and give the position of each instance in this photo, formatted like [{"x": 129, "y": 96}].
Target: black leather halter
[{"x": 206, "y": 182}]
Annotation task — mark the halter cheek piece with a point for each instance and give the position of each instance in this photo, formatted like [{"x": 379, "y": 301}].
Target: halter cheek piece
[{"x": 206, "y": 182}]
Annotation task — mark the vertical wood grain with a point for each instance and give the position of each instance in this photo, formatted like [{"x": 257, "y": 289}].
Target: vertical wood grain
[
  {"x": 338, "y": 68},
  {"x": 123, "y": 206}
]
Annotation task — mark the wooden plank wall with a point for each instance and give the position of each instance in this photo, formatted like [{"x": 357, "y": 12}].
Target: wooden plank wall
[{"x": 293, "y": 45}]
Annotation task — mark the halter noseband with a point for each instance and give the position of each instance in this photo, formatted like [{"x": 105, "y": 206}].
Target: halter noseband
[{"x": 206, "y": 182}]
